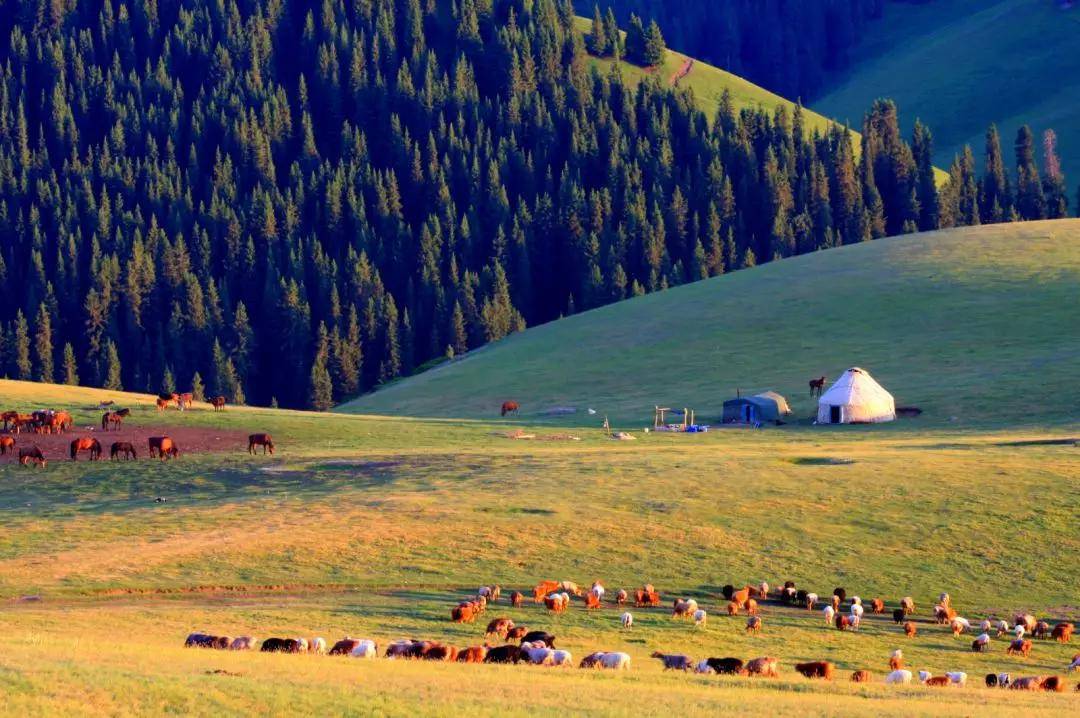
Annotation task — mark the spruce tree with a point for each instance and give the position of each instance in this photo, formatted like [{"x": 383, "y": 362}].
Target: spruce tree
[
  {"x": 43, "y": 345},
  {"x": 655, "y": 49},
  {"x": 112, "y": 367},
  {"x": 1030, "y": 201},
  {"x": 198, "y": 391},
  {"x": 71, "y": 368},
  {"x": 1054, "y": 190},
  {"x": 23, "y": 367},
  {"x": 598, "y": 41},
  {"x": 995, "y": 202},
  {"x": 320, "y": 387},
  {"x": 635, "y": 41}
]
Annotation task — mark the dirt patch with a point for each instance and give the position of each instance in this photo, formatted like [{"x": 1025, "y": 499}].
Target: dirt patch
[
  {"x": 190, "y": 439},
  {"x": 821, "y": 461},
  {"x": 1040, "y": 442}
]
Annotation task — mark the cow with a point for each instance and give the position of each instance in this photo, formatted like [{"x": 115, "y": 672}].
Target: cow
[
  {"x": 1063, "y": 632},
  {"x": 463, "y": 613},
  {"x": 263, "y": 440},
  {"x": 503, "y": 654},
  {"x": 205, "y": 640},
  {"x": 123, "y": 449},
  {"x": 218, "y": 402},
  {"x": 767, "y": 667},
  {"x": 547, "y": 639},
  {"x": 898, "y": 616},
  {"x": 816, "y": 669},
  {"x": 282, "y": 645},
  {"x": 243, "y": 643},
  {"x": 440, "y": 652},
  {"x": 32, "y": 455},
  {"x": 163, "y": 447},
  {"x": 473, "y": 654},
  {"x": 861, "y": 676},
  {"x": 499, "y": 627},
  {"x": 726, "y": 666},
  {"x": 184, "y": 400},
  {"x": 344, "y": 647}
]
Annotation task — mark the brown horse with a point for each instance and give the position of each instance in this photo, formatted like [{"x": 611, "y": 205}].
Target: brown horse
[
  {"x": 184, "y": 401},
  {"x": 817, "y": 386},
  {"x": 111, "y": 419},
  {"x": 218, "y": 402},
  {"x": 162, "y": 404},
  {"x": 123, "y": 448},
  {"x": 263, "y": 440},
  {"x": 20, "y": 422},
  {"x": 510, "y": 407},
  {"x": 164, "y": 447},
  {"x": 86, "y": 443},
  {"x": 7, "y": 444},
  {"x": 32, "y": 455},
  {"x": 61, "y": 421}
]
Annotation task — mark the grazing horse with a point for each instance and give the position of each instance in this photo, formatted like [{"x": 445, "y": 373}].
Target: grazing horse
[
  {"x": 86, "y": 443},
  {"x": 164, "y": 447},
  {"x": 32, "y": 455},
  {"x": 8, "y": 417},
  {"x": 184, "y": 401},
  {"x": 61, "y": 421},
  {"x": 162, "y": 404},
  {"x": 7, "y": 444},
  {"x": 510, "y": 407},
  {"x": 218, "y": 402},
  {"x": 263, "y": 440},
  {"x": 111, "y": 419},
  {"x": 817, "y": 386},
  {"x": 123, "y": 449}
]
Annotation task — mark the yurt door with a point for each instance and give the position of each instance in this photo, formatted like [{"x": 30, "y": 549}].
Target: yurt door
[{"x": 835, "y": 414}]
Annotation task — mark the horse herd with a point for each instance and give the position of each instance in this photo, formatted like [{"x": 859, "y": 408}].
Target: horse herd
[
  {"x": 51, "y": 421},
  {"x": 185, "y": 400},
  {"x": 508, "y": 643}
]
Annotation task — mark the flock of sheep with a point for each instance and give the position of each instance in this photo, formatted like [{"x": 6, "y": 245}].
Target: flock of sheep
[{"x": 538, "y": 647}]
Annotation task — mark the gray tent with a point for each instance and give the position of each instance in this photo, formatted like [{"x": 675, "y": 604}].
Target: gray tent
[{"x": 767, "y": 406}]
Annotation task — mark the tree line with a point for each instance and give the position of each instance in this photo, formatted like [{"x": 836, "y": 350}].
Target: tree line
[{"x": 294, "y": 202}]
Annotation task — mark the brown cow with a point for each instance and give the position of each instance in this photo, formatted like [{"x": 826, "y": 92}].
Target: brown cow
[
  {"x": 218, "y": 402},
  {"x": 463, "y": 613},
  {"x": 861, "y": 676},
  {"x": 86, "y": 443},
  {"x": 1021, "y": 646},
  {"x": 816, "y": 669},
  {"x": 516, "y": 599},
  {"x": 184, "y": 400},
  {"x": 263, "y": 440},
  {"x": 124, "y": 448},
  {"x": 766, "y": 667},
  {"x": 510, "y": 407},
  {"x": 7, "y": 444},
  {"x": 1063, "y": 632},
  {"x": 1054, "y": 684},
  {"x": 32, "y": 455},
  {"x": 473, "y": 654},
  {"x": 163, "y": 447},
  {"x": 439, "y": 652},
  {"x": 162, "y": 404}
]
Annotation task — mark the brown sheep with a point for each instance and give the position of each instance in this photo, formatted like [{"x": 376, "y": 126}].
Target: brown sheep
[
  {"x": 516, "y": 599},
  {"x": 751, "y": 607},
  {"x": 1021, "y": 646},
  {"x": 1062, "y": 632},
  {"x": 877, "y": 606},
  {"x": 753, "y": 624},
  {"x": 816, "y": 669},
  {"x": 909, "y": 629},
  {"x": 473, "y": 654},
  {"x": 733, "y": 608},
  {"x": 766, "y": 667},
  {"x": 863, "y": 676}
]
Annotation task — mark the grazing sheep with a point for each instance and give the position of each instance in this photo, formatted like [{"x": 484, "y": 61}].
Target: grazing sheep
[
  {"x": 829, "y": 613},
  {"x": 703, "y": 667},
  {"x": 898, "y": 616},
  {"x": 610, "y": 661},
  {"x": 861, "y": 676},
  {"x": 944, "y": 614},
  {"x": 700, "y": 617},
  {"x": 473, "y": 654},
  {"x": 627, "y": 620},
  {"x": 811, "y": 599},
  {"x": 1002, "y": 627},
  {"x": 959, "y": 625},
  {"x": 674, "y": 661},
  {"x": 684, "y": 607},
  {"x": 763, "y": 590},
  {"x": 243, "y": 643},
  {"x": 986, "y": 625},
  {"x": 843, "y": 623},
  {"x": 856, "y": 601},
  {"x": 317, "y": 645},
  {"x": 538, "y": 654},
  {"x": 877, "y": 606},
  {"x": 732, "y": 608},
  {"x": 957, "y": 677},
  {"x": 499, "y": 627},
  {"x": 1027, "y": 620},
  {"x": 1021, "y": 646},
  {"x": 598, "y": 589},
  {"x": 1063, "y": 632},
  {"x": 753, "y": 624},
  {"x": 981, "y": 644},
  {"x": 562, "y": 658},
  {"x": 856, "y": 610},
  {"x": 751, "y": 607},
  {"x": 899, "y": 676},
  {"x": 836, "y": 602},
  {"x": 365, "y": 648},
  {"x": 726, "y": 666},
  {"x": 907, "y": 605},
  {"x": 1029, "y": 683},
  {"x": 1019, "y": 630},
  {"x": 517, "y": 598},
  {"x": 621, "y": 596},
  {"x": 767, "y": 667},
  {"x": 933, "y": 681},
  {"x": 909, "y": 629},
  {"x": 1041, "y": 630}
]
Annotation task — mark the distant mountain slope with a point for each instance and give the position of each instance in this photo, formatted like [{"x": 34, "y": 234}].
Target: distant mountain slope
[
  {"x": 976, "y": 326},
  {"x": 959, "y": 69}
]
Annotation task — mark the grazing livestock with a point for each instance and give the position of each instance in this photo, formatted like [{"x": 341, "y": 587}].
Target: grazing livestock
[
  {"x": 263, "y": 440},
  {"x": 112, "y": 420},
  {"x": 751, "y": 607},
  {"x": 986, "y": 625},
  {"x": 991, "y": 680},
  {"x": 344, "y": 647},
  {"x": 726, "y": 666},
  {"x": 741, "y": 596},
  {"x": 439, "y": 652},
  {"x": 562, "y": 658},
  {"x": 620, "y": 597},
  {"x": 282, "y": 645},
  {"x": 861, "y": 676},
  {"x": 1002, "y": 627},
  {"x": 816, "y": 669},
  {"x": 732, "y": 608},
  {"x": 218, "y": 402},
  {"x": 899, "y": 677},
  {"x": 1041, "y": 630},
  {"x": 981, "y": 644},
  {"x": 543, "y": 588},
  {"x": 684, "y": 607},
  {"x": 909, "y": 629},
  {"x": 674, "y": 661},
  {"x": 123, "y": 449},
  {"x": 243, "y": 643},
  {"x": 944, "y": 614},
  {"x": 205, "y": 640},
  {"x": 162, "y": 404},
  {"x": 366, "y": 648},
  {"x": 627, "y": 620},
  {"x": 503, "y": 654},
  {"x": 843, "y": 622},
  {"x": 557, "y": 602},
  {"x": 1021, "y": 646},
  {"x": 944, "y": 599},
  {"x": 1029, "y": 683},
  {"x": 1054, "y": 684},
  {"x": 464, "y": 612},
  {"x": 516, "y": 599},
  {"x": 316, "y": 645},
  {"x": 1075, "y": 665},
  {"x": 598, "y": 588},
  {"x": 86, "y": 443},
  {"x": 547, "y": 639},
  {"x": 473, "y": 654},
  {"x": 614, "y": 661},
  {"x": 1063, "y": 632},
  {"x": 933, "y": 681},
  {"x": 840, "y": 593},
  {"x": 700, "y": 617},
  {"x": 491, "y": 593},
  {"x": 753, "y": 624},
  {"x": 877, "y": 606},
  {"x": 400, "y": 649},
  {"x": 1026, "y": 620},
  {"x": 1019, "y": 630},
  {"x": 727, "y": 592},
  {"x": 703, "y": 667},
  {"x": 957, "y": 677},
  {"x": 766, "y": 667},
  {"x": 516, "y": 633},
  {"x": 509, "y": 407},
  {"x": 907, "y": 605},
  {"x": 646, "y": 598},
  {"x": 763, "y": 590},
  {"x": 898, "y": 616},
  {"x": 959, "y": 625},
  {"x": 829, "y": 613},
  {"x": 7, "y": 444},
  {"x": 809, "y": 600},
  {"x": 163, "y": 447},
  {"x": 592, "y": 599},
  {"x": 32, "y": 455},
  {"x": 835, "y": 602},
  {"x": 896, "y": 659},
  {"x": 499, "y": 627}
]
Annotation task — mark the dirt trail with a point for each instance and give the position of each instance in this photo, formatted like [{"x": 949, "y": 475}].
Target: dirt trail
[{"x": 683, "y": 71}]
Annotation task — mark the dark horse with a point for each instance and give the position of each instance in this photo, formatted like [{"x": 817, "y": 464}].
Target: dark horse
[
  {"x": 263, "y": 440},
  {"x": 86, "y": 444},
  {"x": 817, "y": 386},
  {"x": 113, "y": 419},
  {"x": 123, "y": 449},
  {"x": 510, "y": 407}
]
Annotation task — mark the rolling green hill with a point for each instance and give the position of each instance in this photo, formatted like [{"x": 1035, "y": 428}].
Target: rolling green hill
[
  {"x": 976, "y": 326},
  {"x": 1009, "y": 62}
]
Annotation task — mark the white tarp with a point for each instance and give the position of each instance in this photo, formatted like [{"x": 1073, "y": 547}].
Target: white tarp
[{"x": 857, "y": 398}]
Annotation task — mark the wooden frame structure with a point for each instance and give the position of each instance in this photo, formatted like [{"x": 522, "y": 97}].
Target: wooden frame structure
[{"x": 660, "y": 425}]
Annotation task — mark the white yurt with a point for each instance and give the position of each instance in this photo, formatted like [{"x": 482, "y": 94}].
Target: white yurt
[{"x": 856, "y": 398}]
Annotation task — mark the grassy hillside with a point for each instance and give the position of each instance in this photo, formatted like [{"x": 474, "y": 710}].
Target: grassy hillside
[
  {"x": 375, "y": 526},
  {"x": 976, "y": 326},
  {"x": 959, "y": 68}
]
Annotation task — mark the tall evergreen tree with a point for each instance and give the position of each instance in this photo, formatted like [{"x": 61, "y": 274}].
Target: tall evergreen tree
[
  {"x": 71, "y": 370},
  {"x": 43, "y": 345},
  {"x": 23, "y": 367},
  {"x": 320, "y": 388},
  {"x": 1030, "y": 201}
]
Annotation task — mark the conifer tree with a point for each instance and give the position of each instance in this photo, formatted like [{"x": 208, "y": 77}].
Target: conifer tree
[
  {"x": 654, "y": 49},
  {"x": 198, "y": 390},
  {"x": 43, "y": 345},
  {"x": 71, "y": 370},
  {"x": 112, "y": 367},
  {"x": 23, "y": 367},
  {"x": 598, "y": 39},
  {"x": 320, "y": 387},
  {"x": 1030, "y": 201}
]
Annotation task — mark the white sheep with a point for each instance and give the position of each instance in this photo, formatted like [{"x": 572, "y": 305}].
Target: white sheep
[
  {"x": 986, "y": 625},
  {"x": 700, "y": 617},
  {"x": 829, "y": 614},
  {"x": 1019, "y": 631},
  {"x": 627, "y": 620},
  {"x": 561, "y": 658},
  {"x": 366, "y": 648},
  {"x": 615, "y": 661},
  {"x": 1002, "y": 627},
  {"x": 811, "y": 599},
  {"x": 856, "y": 610},
  {"x": 924, "y": 676},
  {"x": 703, "y": 667},
  {"x": 898, "y": 676},
  {"x": 763, "y": 589},
  {"x": 959, "y": 625},
  {"x": 317, "y": 645},
  {"x": 957, "y": 677}
]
